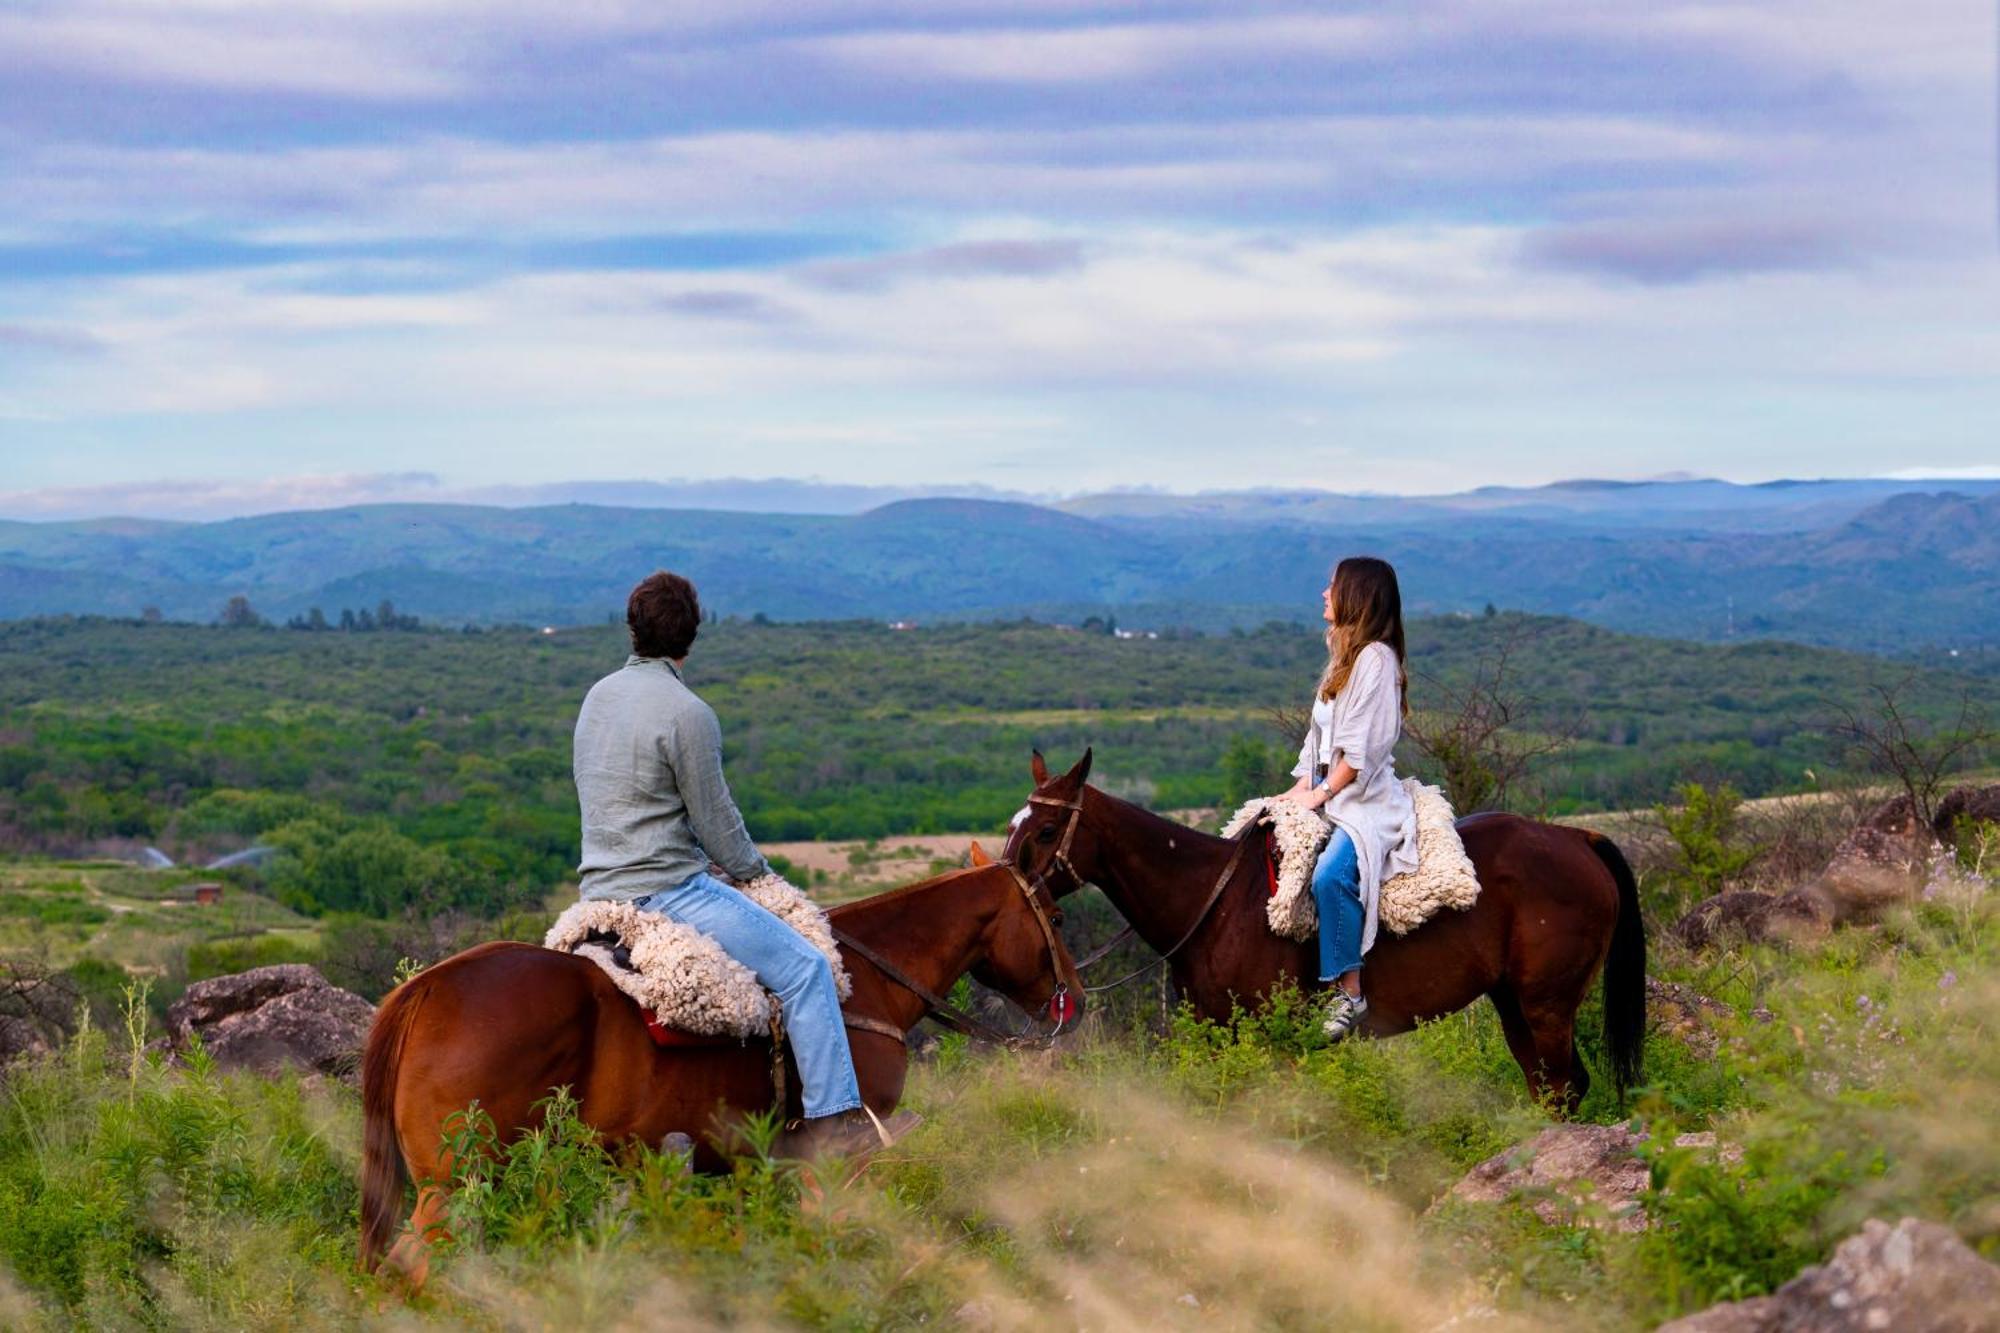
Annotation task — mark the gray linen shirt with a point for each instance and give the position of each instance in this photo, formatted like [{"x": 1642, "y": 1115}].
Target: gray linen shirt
[
  {"x": 1361, "y": 725},
  {"x": 656, "y": 810}
]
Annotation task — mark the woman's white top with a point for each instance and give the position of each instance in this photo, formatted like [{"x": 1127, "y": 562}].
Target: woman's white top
[{"x": 1361, "y": 725}]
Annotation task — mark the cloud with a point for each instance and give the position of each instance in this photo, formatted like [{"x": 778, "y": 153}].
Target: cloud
[
  {"x": 717, "y": 303},
  {"x": 1018, "y": 258},
  {"x": 203, "y": 500},
  {"x": 211, "y": 499},
  {"x": 1688, "y": 251},
  {"x": 240, "y": 49},
  {"x": 1109, "y": 52},
  {"x": 48, "y": 338}
]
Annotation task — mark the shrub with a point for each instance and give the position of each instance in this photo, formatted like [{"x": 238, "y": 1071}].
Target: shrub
[{"x": 1704, "y": 833}]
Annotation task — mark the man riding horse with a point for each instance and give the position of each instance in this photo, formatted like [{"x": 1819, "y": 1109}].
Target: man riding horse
[{"x": 657, "y": 814}]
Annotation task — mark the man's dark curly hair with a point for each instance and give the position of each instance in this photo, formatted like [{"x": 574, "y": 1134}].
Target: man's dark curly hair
[{"x": 664, "y": 615}]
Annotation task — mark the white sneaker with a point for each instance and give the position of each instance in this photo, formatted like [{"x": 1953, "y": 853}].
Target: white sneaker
[{"x": 1344, "y": 1013}]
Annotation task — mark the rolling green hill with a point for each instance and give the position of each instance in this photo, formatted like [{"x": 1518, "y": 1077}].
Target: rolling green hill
[{"x": 413, "y": 746}]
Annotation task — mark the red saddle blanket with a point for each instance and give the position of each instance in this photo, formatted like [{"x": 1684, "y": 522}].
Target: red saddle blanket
[{"x": 663, "y": 1035}]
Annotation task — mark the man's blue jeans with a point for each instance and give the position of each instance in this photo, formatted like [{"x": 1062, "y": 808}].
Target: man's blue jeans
[
  {"x": 1336, "y": 886},
  {"x": 786, "y": 965}
]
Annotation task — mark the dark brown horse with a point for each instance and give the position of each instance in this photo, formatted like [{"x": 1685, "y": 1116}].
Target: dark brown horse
[
  {"x": 1555, "y": 904},
  {"x": 503, "y": 1024}
]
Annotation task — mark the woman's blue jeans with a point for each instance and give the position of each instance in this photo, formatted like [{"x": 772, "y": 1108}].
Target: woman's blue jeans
[
  {"x": 1336, "y": 886},
  {"x": 786, "y": 965}
]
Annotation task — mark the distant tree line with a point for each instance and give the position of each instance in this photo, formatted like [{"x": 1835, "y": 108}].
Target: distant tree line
[{"x": 237, "y": 613}]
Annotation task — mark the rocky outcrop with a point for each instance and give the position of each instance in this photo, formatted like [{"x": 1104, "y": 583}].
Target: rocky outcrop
[
  {"x": 272, "y": 1017},
  {"x": 1978, "y": 805},
  {"x": 1884, "y": 860},
  {"x": 1589, "y": 1173},
  {"x": 1581, "y": 1175},
  {"x": 1914, "y": 1277},
  {"x": 1744, "y": 914}
]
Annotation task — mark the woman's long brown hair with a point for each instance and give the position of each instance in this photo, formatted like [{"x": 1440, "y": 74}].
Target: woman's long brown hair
[{"x": 1367, "y": 608}]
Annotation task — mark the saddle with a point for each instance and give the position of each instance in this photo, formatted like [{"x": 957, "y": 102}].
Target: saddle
[
  {"x": 683, "y": 980},
  {"x": 1444, "y": 876},
  {"x": 599, "y": 943}
]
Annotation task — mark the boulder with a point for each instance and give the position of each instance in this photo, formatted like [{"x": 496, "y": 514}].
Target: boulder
[
  {"x": 1914, "y": 1277},
  {"x": 271, "y": 1017},
  {"x": 1884, "y": 860},
  {"x": 1792, "y": 917},
  {"x": 1588, "y": 1175},
  {"x": 1571, "y": 1172},
  {"x": 1979, "y": 805}
]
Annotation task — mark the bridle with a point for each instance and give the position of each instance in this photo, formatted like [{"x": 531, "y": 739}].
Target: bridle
[
  {"x": 941, "y": 1009},
  {"x": 1061, "y": 859}
]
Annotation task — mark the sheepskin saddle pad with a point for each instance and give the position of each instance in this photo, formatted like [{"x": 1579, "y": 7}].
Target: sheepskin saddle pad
[
  {"x": 681, "y": 977},
  {"x": 1444, "y": 876}
]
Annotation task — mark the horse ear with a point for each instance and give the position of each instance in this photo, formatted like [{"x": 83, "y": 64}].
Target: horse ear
[
  {"x": 1082, "y": 770},
  {"x": 975, "y": 856},
  {"x": 1039, "y": 768}
]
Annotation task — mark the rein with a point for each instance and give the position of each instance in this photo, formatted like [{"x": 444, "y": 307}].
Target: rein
[
  {"x": 937, "y": 1007},
  {"x": 1061, "y": 858}
]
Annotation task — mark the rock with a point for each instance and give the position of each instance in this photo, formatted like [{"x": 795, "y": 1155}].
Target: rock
[
  {"x": 207, "y": 1002},
  {"x": 1980, "y": 805},
  {"x": 1571, "y": 1167},
  {"x": 1683, "y": 1012},
  {"x": 1884, "y": 860},
  {"x": 271, "y": 1017},
  {"x": 1793, "y": 917},
  {"x": 1589, "y": 1175},
  {"x": 20, "y": 1039},
  {"x": 1914, "y": 1277}
]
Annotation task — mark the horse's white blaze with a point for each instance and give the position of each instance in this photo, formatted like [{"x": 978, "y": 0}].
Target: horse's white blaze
[{"x": 1014, "y": 831}]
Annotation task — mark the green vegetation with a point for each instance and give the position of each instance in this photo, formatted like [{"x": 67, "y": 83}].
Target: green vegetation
[
  {"x": 432, "y": 769},
  {"x": 1858, "y": 1078}
]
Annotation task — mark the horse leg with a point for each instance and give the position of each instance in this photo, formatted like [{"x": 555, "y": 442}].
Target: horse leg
[
  {"x": 411, "y": 1254},
  {"x": 1554, "y": 1034},
  {"x": 1579, "y": 1073},
  {"x": 1520, "y": 1037},
  {"x": 1544, "y": 1046}
]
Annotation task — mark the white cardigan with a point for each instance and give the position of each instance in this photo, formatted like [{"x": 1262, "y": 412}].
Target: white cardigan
[{"x": 1361, "y": 725}]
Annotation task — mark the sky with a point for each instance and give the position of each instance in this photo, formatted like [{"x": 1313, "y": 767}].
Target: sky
[{"x": 271, "y": 255}]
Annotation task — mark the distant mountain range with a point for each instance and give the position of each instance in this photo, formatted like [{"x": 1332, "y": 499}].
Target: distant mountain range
[{"x": 1876, "y": 565}]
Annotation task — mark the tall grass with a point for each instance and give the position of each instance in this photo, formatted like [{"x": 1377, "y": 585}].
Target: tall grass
[{"x": 1232, "y": 1175}]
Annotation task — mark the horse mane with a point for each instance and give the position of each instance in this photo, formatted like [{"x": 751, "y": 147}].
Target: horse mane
[
  {"x": 848, "y": 912},
  {"x": 1157, "y": 825}
]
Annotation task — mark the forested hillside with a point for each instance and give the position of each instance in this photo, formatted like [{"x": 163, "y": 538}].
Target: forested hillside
[
  {"x": 1917, "y": 572},
  {"x": 396, "y": 766}
]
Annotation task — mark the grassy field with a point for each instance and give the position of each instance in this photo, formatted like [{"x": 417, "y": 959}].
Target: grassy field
[
  {"x": 1238, "y": 1176},
  {"x": 1154, "y": 1171}
]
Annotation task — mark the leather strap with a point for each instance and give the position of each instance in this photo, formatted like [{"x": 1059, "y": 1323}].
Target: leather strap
[
  {"x": 880, "y": 1027},
  {"x": 941, "y": 1009},
  {"x": 1214, "y": 896}
]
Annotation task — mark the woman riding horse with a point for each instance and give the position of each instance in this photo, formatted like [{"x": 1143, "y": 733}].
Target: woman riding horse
[
  {"x": 1556, "y": 905},
  {"x": 1345, "y": 772}
]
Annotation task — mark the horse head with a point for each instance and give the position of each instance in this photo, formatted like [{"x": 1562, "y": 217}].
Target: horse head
[
  {"x": 1023, "y": 956},
  {"x": 1049, "y": 839}
]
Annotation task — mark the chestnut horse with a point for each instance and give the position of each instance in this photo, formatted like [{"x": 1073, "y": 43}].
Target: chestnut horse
[
  {"x": 503, "y": 1024},
  {"x": 1555, "y": 904}
]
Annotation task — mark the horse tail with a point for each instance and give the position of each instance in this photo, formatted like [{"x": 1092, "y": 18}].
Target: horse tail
[
  {"x": 384, "y": 1174},
  {"x": 1624, "y": 971}
]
